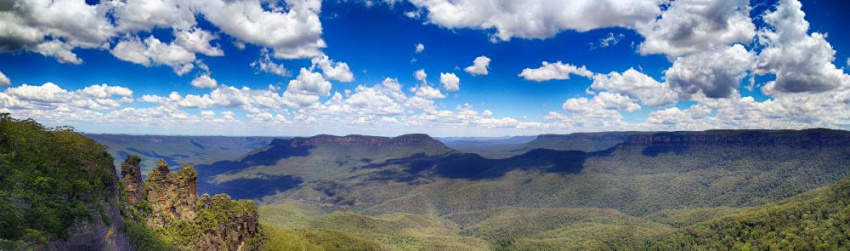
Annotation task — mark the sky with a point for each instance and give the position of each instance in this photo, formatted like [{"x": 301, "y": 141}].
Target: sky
[{"x": 442, "y": 67}]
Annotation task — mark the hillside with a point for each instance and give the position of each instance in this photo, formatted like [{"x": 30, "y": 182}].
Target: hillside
[
  {"x": 644, "y": 174},
  {"x": 59, "y": 190},
  {"x": 40, "y": 207},
  {"x": 815, "y": 220},
  {"x": 287, "y": 163}
]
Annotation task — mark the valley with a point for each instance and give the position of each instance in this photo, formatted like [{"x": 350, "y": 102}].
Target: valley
[
  {"x": 719, "y": 189},
  {"x": 578, "y": 191}
]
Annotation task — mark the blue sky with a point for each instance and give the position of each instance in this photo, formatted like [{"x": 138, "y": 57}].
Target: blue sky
[{"x": 629, "y": 65}]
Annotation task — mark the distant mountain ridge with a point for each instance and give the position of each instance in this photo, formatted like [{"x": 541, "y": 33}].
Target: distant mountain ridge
[
  {"x": 807, "y": 137},
  {"x": 350, "y": 140}
]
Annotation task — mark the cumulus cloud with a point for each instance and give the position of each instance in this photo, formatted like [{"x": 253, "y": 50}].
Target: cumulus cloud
[
  {"x": 603, "y": 100},
  {"x": 333, "y": 70},
  {"x": 49, "y": 96},
  {"x": 554, "y": 71},
  {"x": 801, "y": 62},
  {"x": 450, "y": 82},
  {"x": 420, "y": 75},
  {"x": 713, "y": 73},
  {"x": 426, "y": 91},
  {"x": 635, "y": 85},
  {"x": 420, "y": 48},
  {"x": 309, "y": 83},
  {"x": 538, "y": 18},
  {"x": 204, "y": 81},
  {"x": 689, "y": 26},
  {"x": 145, "y": 15},
  {"x": 198, "y": 40},
  {"x": 4, "y": 80},
  {"x": 54, "y": 28},
  {"x": 676, "y": 116},
  {"x": 151, "y": 51},
  {"x": 208, "y": 114},
  {"x": 479, "y": 66},
  {"x": 293, "y": 31}
]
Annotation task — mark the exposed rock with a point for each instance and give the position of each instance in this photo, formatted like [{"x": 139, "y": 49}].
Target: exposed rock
[
  {"x": 172, "y": 196},
  {"x": 132, "y": 179},
  {"x": 221, "y": 223}
]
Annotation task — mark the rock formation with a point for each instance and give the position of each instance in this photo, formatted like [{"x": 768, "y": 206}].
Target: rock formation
[
  {"x": 132, "y": 180},
  {"x": 170, "y": 198}
]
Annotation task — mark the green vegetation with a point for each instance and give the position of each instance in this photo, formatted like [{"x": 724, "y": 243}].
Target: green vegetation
[
  {"x": 294, "y": 225},
  {"x": 50, "y": 178},
  {"x": 219, "y": 215},
  {"x": 817, "y": 220}
]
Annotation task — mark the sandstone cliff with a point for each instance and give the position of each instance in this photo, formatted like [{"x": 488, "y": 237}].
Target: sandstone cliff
[{"x": 169, "y": 202}]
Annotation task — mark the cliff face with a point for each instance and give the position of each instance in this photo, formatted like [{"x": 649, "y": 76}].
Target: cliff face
[
  {"x": 360, "y": 140},
  {"x": 170, "y": 202},
  {"x": 103, "y": 231},
  {"x": 748, "y": 138}
]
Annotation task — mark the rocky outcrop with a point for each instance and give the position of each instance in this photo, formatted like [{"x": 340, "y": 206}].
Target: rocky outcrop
[
  {"x": 172, "y": 196},
  {"x": 170, "y": 199},
  {"x": 132, "y": 180}
]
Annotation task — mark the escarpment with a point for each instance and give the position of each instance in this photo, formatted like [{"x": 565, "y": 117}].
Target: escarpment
[{"x": 169, "y": 205}]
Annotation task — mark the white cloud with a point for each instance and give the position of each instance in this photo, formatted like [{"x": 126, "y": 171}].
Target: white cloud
[
  {"x": 4, "y": 80},
  {"x": 420, "y": 75},
  {"x": 690, "y": 26},
  {"x": 675, "y": 116},
  {"x": 204, "y": 81},
  {"x": 151, "y": 51},
  {"x": 715, "y": 74},
  {"x": 426, "y": 91},
  {"x": 333, "y": 70},
  {"x": 105, "y": 91},
  {"x": 479, "y": 66},
  {"x": 603, "y": 100},
  {"x": 68, "y": 24},
  {"x": 636, "y": 85},
  {"x": 59, "y": 50},
  {"x": 197, "y": 40},
  {"x": 144, "y": 15},
  {"x": 265, "y": 64},
  {"x": 49, "y": 96},
  {"x": 208, "y": 114},
  {"x": 549, "y": 71},
  {"x": 309, "y": 83},
  {"x": 538, "y": 18},
  {"x": 293, "y": 31},
  {"x": 800, "y": 62},
  {"x": 610, "y": 40},
  {"x": 420, "y": 48},
  {"x": 450, "y": 82}
]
